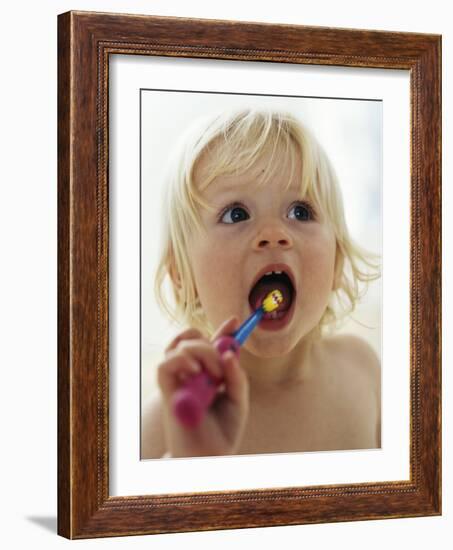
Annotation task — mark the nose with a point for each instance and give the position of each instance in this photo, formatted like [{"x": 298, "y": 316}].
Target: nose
[{"x": 272, "y": 235}]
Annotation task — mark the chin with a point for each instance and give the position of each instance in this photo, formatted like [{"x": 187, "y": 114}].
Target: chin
[{"x": 269, "y": 348}]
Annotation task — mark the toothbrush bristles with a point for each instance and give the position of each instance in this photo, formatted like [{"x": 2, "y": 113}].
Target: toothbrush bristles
[{"x": 272, "y": 301}]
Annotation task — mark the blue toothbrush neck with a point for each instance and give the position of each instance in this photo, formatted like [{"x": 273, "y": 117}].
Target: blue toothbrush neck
[{"x": 247, "y": 326}]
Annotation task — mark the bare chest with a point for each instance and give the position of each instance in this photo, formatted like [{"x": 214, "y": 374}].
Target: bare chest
[{"x": 301, "y": 420}]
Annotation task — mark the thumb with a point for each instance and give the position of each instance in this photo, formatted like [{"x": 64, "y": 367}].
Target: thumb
[{"x": 226, "y": 328}]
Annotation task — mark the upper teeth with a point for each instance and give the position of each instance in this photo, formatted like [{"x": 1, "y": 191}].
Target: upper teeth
[{"x": 274, "y": 273}]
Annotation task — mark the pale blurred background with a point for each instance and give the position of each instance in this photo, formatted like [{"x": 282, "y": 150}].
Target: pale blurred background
[{"x": 350, "y": 132}]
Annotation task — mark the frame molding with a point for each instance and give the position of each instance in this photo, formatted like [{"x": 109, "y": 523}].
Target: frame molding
[{"x": 85, "y": 42}]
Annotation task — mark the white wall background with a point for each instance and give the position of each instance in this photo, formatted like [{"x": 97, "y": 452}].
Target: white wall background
[{"x": 28, "y": 299}]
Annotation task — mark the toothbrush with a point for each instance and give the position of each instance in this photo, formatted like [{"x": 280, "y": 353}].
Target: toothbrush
[{"x": 191, "y": 402}]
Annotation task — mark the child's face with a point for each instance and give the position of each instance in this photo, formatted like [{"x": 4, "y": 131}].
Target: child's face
[{"x": 252, "y": 229}]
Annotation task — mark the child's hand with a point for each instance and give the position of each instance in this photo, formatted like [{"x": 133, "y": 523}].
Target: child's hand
[{"x": 221, "y": 430}]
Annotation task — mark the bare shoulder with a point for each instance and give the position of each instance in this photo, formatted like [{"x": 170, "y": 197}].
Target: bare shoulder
[
  {"x": 152, "y": 436},
  {"x": 356, "y": 354},
  {"x": 353, "y": 373}
]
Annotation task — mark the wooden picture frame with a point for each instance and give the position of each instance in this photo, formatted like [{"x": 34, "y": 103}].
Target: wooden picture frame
[{"x": 85, "y": 42}]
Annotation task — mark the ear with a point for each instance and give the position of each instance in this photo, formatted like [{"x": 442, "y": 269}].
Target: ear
[
  {"x": 338, "y": 270},
  {"x": 172, "y": 269},
  {"x": 174, "y": 274}
]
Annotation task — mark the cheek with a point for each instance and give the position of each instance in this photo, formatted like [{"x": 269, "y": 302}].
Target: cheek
[
  {"x": 321, "y": 265},
  {"x": 214, "y": 272},
  {"x": 205, "y": 259}
]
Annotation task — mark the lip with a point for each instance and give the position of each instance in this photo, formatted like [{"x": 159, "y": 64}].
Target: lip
[{"x": 277, "y": 324}]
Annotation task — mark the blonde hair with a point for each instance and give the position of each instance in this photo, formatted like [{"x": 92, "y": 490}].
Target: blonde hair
[{"x": 233, "y": 143}]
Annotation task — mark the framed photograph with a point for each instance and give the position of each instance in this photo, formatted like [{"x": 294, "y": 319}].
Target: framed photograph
[{"x": 249, "y": 275}]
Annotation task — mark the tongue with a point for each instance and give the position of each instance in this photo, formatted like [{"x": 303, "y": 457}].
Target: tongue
[{"x": 262, "y": 289}]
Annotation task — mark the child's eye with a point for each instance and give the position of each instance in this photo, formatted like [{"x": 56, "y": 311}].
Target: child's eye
[
  {"x": 234, "y": 214},
  {"x": 302, "y": 212}
]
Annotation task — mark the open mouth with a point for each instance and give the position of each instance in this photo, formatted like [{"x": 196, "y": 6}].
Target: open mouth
[{"x": 280, "y": 279}]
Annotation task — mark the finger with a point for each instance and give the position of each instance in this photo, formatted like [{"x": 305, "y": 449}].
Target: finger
[
  {"x": 188, "y": 334},
  {"x": 235, "y": 379},
  {"x": 175, "y": 367},
  {"x": 226, "y": 328},
  {"x": 204, "y": 353}
]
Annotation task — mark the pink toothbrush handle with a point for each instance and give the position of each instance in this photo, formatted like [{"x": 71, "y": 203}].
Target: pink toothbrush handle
[{"x": 191, "y": 402}]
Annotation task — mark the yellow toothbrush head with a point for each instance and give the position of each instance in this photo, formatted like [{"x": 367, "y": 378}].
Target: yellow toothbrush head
[{"x": 272, "y": 301}]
